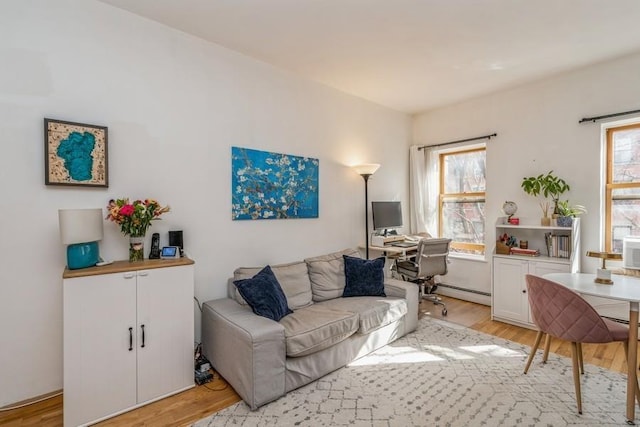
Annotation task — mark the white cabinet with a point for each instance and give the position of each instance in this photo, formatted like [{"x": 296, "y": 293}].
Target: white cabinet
[
  {"x": 510, "y": 302},
  {"x": 509, "y": 299},
  {"x": 128, "y": 336}
]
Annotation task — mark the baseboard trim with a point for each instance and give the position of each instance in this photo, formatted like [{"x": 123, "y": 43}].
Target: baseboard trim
[{"x": 30, "y": 401}]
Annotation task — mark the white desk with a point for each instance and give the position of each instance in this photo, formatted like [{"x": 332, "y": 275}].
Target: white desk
[
  {"x": 624, "y": 288},
  {"x": 394, "y": 251}
]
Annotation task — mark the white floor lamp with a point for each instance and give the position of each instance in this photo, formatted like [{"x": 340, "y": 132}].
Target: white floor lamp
[{"x": 365, "y": 171}]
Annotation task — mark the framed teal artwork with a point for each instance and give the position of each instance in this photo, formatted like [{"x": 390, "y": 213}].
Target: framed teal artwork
[
  {"x": 266, "y": 185},
  {"x": 75, "y": 154}
]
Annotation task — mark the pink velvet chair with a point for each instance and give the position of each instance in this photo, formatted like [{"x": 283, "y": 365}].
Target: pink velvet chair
[{"x": 560, "y": 312}]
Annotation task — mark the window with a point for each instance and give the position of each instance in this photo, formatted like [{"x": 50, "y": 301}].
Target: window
[
  {"x": 622, "y": 207},
  {"x": 462, "y": 199}
]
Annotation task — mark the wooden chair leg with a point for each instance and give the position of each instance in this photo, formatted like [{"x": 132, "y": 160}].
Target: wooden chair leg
[
  {"x": 576, "y": 375},
  {"x": 533, "y": 351},
  {"x": 626, "y": 352},
  {"x": 580, "y": 360},
  {"x": 547, "y": 346}
]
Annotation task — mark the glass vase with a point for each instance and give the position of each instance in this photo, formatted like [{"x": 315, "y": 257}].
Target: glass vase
[{"x": 136, "y": 248}]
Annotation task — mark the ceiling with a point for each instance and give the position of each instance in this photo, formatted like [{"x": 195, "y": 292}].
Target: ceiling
[{"x": 410, "y": 55}]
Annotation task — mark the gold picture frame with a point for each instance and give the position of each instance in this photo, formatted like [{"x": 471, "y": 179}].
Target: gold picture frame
[{"x": 75, "y": 154}]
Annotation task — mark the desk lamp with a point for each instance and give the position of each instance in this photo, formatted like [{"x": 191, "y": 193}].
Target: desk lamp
[
  {"x": 365, "y": 171},
  {"x": 603, "y": 275},
  {"x": 81, "y": 229}
]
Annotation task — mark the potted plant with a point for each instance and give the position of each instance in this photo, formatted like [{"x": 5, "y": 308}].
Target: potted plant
[
  {"x": 548, "y": 185},
  {"x": 567, "y": 212}
]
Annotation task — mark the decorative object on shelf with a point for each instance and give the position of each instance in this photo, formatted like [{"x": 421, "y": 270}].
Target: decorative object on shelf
[
  {"x": 524, "y": 252},
  {"x": 135, "y": 219},
  {"x": 75, "y": 154},
  {"x": 602, "y": 274},
  {"x": 567, "y": 212},
  {"x": 547, "y": 185},
  {"x": 81, "y": 229},
  {"x": 545, "y": 221},
  {"x": 505, "y": 243},
  {"x": 365, "y": 171},
  {"x": 524, "y": 244},
  {"x": 509, "y": 208},
  {"x": 268, "y": 185}
]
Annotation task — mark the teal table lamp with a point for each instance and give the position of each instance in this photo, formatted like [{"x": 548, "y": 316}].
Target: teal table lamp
[{"x": 80, "y": 230}]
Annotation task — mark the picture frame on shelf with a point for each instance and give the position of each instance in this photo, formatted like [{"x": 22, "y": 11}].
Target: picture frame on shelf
[{"x": 75, "y": 154}]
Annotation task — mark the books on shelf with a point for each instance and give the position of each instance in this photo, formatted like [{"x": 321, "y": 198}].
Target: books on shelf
[
  {"x": 558, "y": 245},
  {"x": 525, "y": 252}
]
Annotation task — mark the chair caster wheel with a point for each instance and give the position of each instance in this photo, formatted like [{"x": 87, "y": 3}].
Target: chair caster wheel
[{"x": 444, "y": 311}]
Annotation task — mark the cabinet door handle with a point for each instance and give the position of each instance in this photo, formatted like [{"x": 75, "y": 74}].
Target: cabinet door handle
[
  {"x": 129, "y": 275},
  {"x": 142, "y": 327},
  {"x": 130, "y": 339},
  {"x": 143, "y": 273}
]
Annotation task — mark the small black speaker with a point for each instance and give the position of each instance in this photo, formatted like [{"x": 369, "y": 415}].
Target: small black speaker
[{"x": 175, "y": 239}]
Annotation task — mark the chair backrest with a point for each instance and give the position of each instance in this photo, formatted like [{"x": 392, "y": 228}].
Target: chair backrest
[
  {"x": 432, "y": 257},
  {"x": 562, "y": 313}
]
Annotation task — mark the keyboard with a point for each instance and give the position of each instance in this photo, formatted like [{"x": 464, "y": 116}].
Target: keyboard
[{"x": 403, "y": 244}]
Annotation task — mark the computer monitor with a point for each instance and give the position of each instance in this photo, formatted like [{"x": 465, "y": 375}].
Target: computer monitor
[{"x": 387, "y": 216}]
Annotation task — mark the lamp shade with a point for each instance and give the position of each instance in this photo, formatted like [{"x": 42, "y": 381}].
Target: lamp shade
[
  {"x": 80, "y": 225},
  {"x": 366, "y": 168}
]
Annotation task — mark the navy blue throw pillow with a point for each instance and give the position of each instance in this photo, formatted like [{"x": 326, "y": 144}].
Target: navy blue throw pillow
[
  {"x": 264, "y": 295},
  {"x": 364, "y": 277}
]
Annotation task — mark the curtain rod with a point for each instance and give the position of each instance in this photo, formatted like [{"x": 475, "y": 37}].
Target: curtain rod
[
  {"x": 458, "y": 141},
  {"x": 593, "y": 119}
]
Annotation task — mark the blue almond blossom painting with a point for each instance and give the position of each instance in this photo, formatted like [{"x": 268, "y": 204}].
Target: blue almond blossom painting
[{"x": 269, "y": 185}]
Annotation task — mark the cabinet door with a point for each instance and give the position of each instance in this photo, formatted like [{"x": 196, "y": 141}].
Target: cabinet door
[
  {"x": 509, "y": 289},
  {"x": 165, "y": 309},
  {"x": 99, "y": 368},
  {"x": 540, "y": 268}
]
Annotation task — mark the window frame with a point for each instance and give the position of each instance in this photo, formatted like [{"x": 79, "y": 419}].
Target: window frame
[
  {"x": 444, "y": 197},
  {"x": 610, "y": 186}
]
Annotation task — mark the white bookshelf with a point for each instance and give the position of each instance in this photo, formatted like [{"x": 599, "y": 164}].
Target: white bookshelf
[{"x": 509, "y": 299}]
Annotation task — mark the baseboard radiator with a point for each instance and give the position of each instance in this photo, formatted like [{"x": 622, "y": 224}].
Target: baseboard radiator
[{"x": 466, "y": 294}]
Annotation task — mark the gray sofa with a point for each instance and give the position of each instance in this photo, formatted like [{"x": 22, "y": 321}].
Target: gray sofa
[{"x": 263, "y": 359}]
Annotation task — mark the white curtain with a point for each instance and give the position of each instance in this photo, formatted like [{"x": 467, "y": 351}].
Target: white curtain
[
  {"x": 423, "y": 190},
  {"x": 433, "y": 190},
  {"x": 417, "y": 190}
]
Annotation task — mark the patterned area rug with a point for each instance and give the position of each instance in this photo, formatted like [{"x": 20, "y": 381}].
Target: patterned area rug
[{"x": 444, "y": 375}]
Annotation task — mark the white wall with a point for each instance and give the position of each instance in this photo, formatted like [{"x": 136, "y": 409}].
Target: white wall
[
  {"x": 538, "y": 131},
  {"x": 174, "y": 106}
]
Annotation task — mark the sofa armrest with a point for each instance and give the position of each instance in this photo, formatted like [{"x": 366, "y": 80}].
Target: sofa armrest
[
  {"x": 410, "y": 292},
  {"x": 246, "y": 349}
]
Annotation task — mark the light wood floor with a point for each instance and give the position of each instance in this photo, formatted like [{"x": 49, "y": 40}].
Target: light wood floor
[{"x": 200, "y": 401}]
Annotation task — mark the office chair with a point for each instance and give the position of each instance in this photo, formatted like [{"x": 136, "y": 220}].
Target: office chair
[
  {"x": 562, "y": 313},
  {"x": 431, "y": 260}
]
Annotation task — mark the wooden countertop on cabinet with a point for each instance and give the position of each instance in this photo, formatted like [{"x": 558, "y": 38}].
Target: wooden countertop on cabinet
[{"x": 125, "y": 265}]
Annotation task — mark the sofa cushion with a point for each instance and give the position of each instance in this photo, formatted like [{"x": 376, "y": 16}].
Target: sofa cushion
[
  {"x": 363, "y": 277},
  {"x": 373, "y": 312},
  {"x": 326, "y": 274},
  {"x": 293, "y": 277},
  {"x": 264, "y": 295},
  {"x": 315, "y": 328}
]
